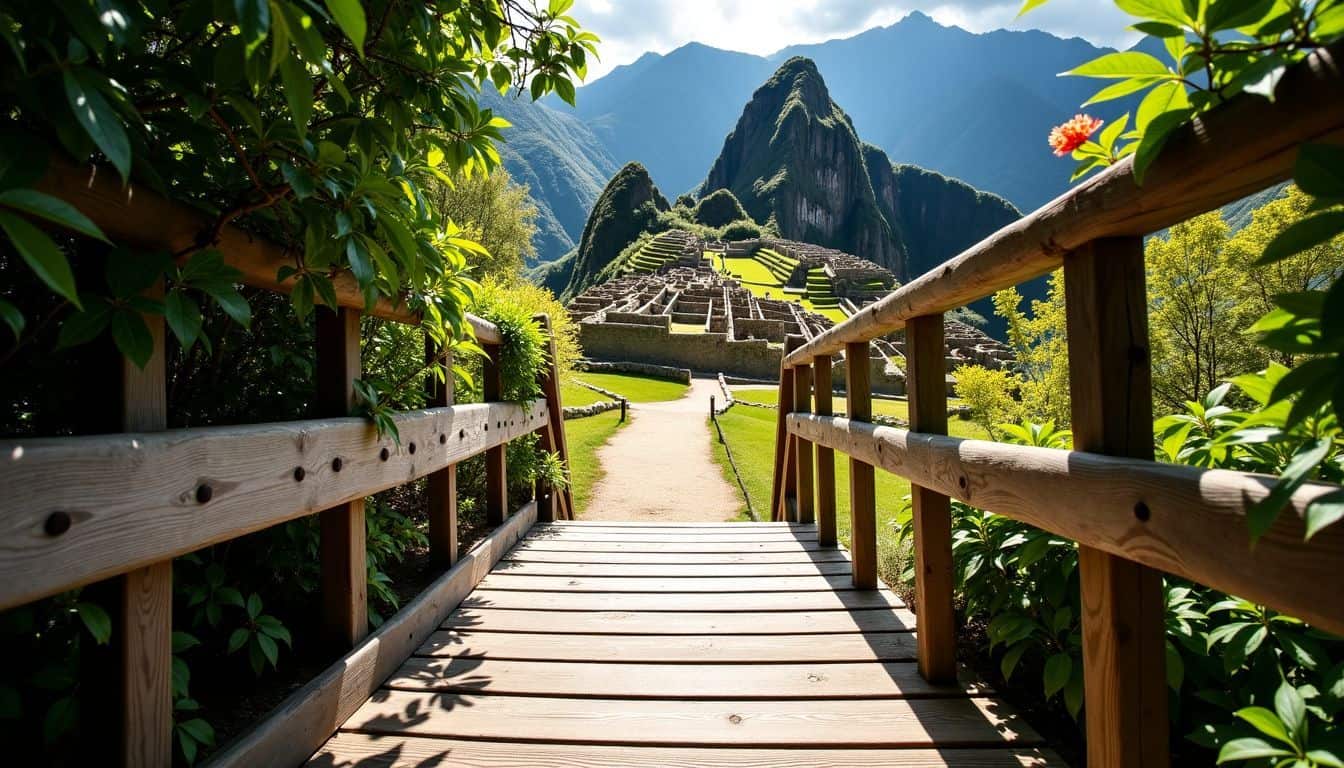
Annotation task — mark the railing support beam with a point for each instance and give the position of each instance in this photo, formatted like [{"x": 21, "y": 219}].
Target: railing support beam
[
  {"x": 802, "y": 454},
  {"x": 926, "y": 379},
  {"x": 496, "y": 468},
  {"x": 443, "y": 544},
  {"x": 345, "y": 616},
  {"x": 862, "y": 481},
  {"x": 1110, "y": 387},
  {"x": 821, "y": 397}
]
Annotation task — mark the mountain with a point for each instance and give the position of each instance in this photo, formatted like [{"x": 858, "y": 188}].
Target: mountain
[
  {"x": 562, "y": 162},
  {"x": 794, "y": 158},
  {"x": 977, "y": 107},
  {"x": 627, "y": 207}
]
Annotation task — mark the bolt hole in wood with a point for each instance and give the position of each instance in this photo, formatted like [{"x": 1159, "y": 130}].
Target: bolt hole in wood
[
  {"x": 1142, "y": 512},
  {"x": 411, "y": 448},
  {"x": 299, "y": 473},
  {"x": 336, "y": 464},
  {"x": 384, "y": 454},
  {"x": 57, "y": 523},
  {"x": 461, "y": 434},
  {"x": 204, "y": 493},
  {"x": 443, "y": 439}
]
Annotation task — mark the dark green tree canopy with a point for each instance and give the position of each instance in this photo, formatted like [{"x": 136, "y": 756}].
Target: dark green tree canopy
[{"x": 719, "y": 208}]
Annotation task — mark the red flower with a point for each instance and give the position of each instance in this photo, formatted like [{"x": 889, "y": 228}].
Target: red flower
[{"x": 1073, "y": 134}]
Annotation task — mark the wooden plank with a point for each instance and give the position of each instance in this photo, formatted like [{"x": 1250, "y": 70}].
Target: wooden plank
[
  {"x": 667, "y": 524},
  {"x": 496, "y": 469},
  {"x": 777, "y": 482},
  {"x": 862, "y": 480},
  {"x": 1242, "y": 147},
  {"x": 1124, "y": 608},
  {"x": 880, "y": 723},
  {"x": 698, "y": 558},
  {"x": 725, "y": 571},
  {"x": 376, "y": 751},
  {"x": 813, "y": 680},
  {"x": 926, "y": 384},
  {"x": 787, "y": 545},
  {"x": 699, "y": 536},
  {"x": 814, "y": 583},
  {"x": 1186, "y": 521},
  {"x": 306, "y": 719},
  {"x": 550, "y": 387},
  {"x": 442, "y": 487},
  {"x": 132, "y": 498},
  {"x": 345, "y": 612},
  {"x": 805, "y": 492},
  {"x": 742, "y": 601},
  {"x": 682, "y": 623},
  {"x": 672, "y": 649},
  {"x": 135, "y": 215},
  {"x": 821, "y": 395}
]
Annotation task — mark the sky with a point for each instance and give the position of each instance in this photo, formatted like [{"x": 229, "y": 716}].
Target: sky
[{"x": 630, "y": 28}]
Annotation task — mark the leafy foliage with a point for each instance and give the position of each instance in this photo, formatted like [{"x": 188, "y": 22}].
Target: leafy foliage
[{"x": 719, "y": 208}]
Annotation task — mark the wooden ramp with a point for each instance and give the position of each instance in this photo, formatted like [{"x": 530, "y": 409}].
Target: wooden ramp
[{"x": 676, "y": 645}]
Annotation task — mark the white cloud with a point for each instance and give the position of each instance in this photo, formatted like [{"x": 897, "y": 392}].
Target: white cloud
[{"x": 630, "y": 28}]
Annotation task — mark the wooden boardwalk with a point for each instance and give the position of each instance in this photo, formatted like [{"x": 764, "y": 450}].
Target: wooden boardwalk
[{"x": 661, "y": 644}]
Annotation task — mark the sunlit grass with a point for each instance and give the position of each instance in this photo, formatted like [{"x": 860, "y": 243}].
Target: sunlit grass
[
  {"x": 584, "y": 436},
  {"x": 899, "y": 409},
  {"x": 636, "y": 389}
]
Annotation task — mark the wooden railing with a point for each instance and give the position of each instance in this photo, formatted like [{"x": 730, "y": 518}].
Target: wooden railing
[
  {"x": 1132, "y": 518},
  {"x": 117, "y": 508}
]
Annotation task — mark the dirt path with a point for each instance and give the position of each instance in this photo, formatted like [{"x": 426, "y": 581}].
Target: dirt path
[{"x": 659, "y": 467}]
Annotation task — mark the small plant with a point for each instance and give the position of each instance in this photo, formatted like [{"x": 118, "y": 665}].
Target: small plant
[{"x": 260, "y": 634}]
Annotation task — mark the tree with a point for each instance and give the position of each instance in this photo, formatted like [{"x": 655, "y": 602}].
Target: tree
[
  {"x": 1197, "y": 319},
  {"x": 989, "y": 395},
  {"x": 1040, "y": 343},
  {"x": 495, "y": 212}
]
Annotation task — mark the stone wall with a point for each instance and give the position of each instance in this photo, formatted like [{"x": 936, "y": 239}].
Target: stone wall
[{"x": 673, "y": 373}]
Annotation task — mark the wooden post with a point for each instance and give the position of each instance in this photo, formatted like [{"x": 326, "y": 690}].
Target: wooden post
[
  {"x": 926, "y": 379},
  {"x": 561, "y": 505},
  {"x": 443, "y": 545},
  {"x": 624, "y": 402},
  {"x": 783, "y": 477},
  {"x": 1110, "y": 388},
  {"x": 802, "y": 454},
  {"x": 345, "y": 616},
  {"x": 143, "y": 619},
  {"x": 496, "y": 469},
  {"x": 821, "y": 389},
  {"x": 862, "y": 483}
]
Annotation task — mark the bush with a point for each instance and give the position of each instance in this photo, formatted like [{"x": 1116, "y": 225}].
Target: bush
[
  {"x": 719, "y": 208},
  {"x": 745, "y": 229}
]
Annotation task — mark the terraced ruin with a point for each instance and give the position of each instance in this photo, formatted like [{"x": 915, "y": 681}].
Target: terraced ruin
[
  {"x": 689, "y": 314},
  {"x": 671, "y": 247}
]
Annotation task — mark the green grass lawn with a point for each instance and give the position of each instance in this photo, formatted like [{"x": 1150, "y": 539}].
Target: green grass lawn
[
  {"x": 750, "y": 433},
  {"x": 572, "y": 394},
  {"x": 584, "y": 436},
  {"x": 636, "y": 389},
  {"x": 757, "y": 279},
  {"x": 897, "y": 408}
]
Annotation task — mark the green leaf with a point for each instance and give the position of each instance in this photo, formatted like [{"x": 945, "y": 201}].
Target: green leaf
[
  {"x": 199, "y": 730},
  {"x": 100, "y": 122},
  {"x": 84, "y": 326},
  {"x": 184, "y": 641},
  {"x": 1170, "y": 11},
  {"x": 1264, "y": 512},
  {"x": 132, "y": 337},
  {"x": 254, "y": 20},
  {"x": 564, "y": 88},
  {"x": 238, "y": 639},
  {"x": 1327, "y": 510},
  {"x": 1029, "y": 5},
  {"x": 1291, "y": 709},
  {"x": 183, "y": 316},
  {"x": 1154, "y": 138},
  {"x": 360, "y": 265},
  {"x": 1162, "y": 99},
  {"x": 1319, "y": 170},
  {"x": 1122, "y": 88},
  {"x": 1058, "y": 668},
  {"x": 60, "y": 719},
  {"x": 1302, "y": 235},
  {"x": 41, "y": 255},
  {"x": 304, "y": 33},
  {"x": 96, "y": 621},
  {"x": 1231, "y": 15},
  {"x": 1265, "y": 722},
  {"x": 253, "y": 605},
  {"x": 12, "y": 317},
  {"x": 268, "y": 647},
  {"x": 349, "y": 16},
  {"x": 1012, "y": 657},
  {"x": 299, "y": 94},
  {"x": 1124, "y": 64},
  {"x": 1249, "y": 748},
  {"x": 232, "y": 302},
  {"x": 52, "y": 209}
]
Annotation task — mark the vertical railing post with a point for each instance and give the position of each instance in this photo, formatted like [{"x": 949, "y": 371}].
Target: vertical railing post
[
  {"x": 144, "y": 616},
  {"x": 802, "y": 449},
  {"x": 1110, "y": 387},
  {"x": 926, "y": 382},
  {"x": 443, "y": 545},
  {"x": 345, "y": 615},
  {"x": 862, "y": 482},
  {"x": 496, "y": 469},
  {"x": 821, "y": 389},
  {"x": 561, "y": 506},
  {"x": 783, "y": 477}
]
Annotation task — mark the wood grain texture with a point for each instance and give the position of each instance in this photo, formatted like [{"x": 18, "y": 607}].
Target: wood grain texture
[
  {"x": 804, "y": 490},
  {"x": 877, "y": 723},
  {"x": 821, "y": 404},
  {"x": 1124, "y": 608},
  {"x": 862, "y": 480},
  {"x": 132, "y": 497},
  {"x": 926, "y": 385},
  {"x": 682, "y": 623},
  {"x": 814, "y": 583},
  {"x": 696, "y": 558},
  {"x": 726, "y": 537},
  {"x": 723, "y": 571},
  {"x": 348, "y": 750},
  {"x": 1196, "y": 518},
  {"x": 442, "y": 487},
  {"x": 782, "y": 479},
  {"x": 1242, "y": 147},
  {"x": 496, "y": 466},
  {"x": 742, "y": 601},
  {"x": 672, "y": 649},
  {"x": 311, "y": 714},
  {"x": 691, "y": 546},
  {"x": 663, "y": 525},
  {"x": 636, "y": 680},
  {"x": 135, "y": 215},
  {"x": 555, "y": 428}
]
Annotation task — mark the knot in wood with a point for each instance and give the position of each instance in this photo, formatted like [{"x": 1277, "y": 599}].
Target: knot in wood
[
  {"x": 56, "y": 523},
  {"x": 204, "y": 493}
]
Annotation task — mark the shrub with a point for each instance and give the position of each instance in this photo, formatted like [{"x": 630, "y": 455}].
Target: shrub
[
  {"x": 745, "y": 229},
  {"x": 719, "y": 208}
]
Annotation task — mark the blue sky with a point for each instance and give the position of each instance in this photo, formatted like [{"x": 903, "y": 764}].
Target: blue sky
[{"x": 630, "y": 28}]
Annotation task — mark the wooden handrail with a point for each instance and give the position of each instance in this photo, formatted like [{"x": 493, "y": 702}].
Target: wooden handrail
[
  {"x": 137, "y": 216},
  {"x": 1183, "y": 520},
  {"x": 1238, "y": 149},
  {"x": 79, "y": 509}
]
